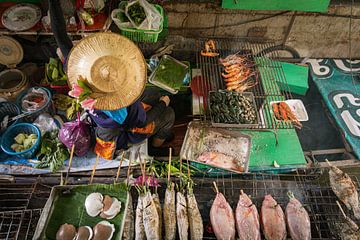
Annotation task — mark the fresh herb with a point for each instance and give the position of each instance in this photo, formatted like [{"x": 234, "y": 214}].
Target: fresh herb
[
  {"x": 66, "y": 104},
  {"x": 137, "y": 13},
  {"x": 170, "y": 73},
  {"x": 52, "y": 153}
]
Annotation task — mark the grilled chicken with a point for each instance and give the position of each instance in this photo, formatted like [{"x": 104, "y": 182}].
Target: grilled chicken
[
  {"x": 298, "y": 220},
  {"x": 195, "y": 220},
  {"x": 345, "y": 189},
  {"x": 247, "y": 219},
  {"x": 150, "y": 218},
  {"x": 139, "y": 223},
  {"x": 181, "y": 216},
  {"x": 170, "y": 213},
  {"x": 272, "y": 219}
]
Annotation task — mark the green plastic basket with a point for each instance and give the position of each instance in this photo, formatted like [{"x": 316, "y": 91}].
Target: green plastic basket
[{"x": 138, "y": 35}]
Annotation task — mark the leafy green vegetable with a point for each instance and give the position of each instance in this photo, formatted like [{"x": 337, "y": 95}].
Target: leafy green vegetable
[
  {"x": 52, "y": 153},
  {"x": 54, "y": 73},
  {"x": 137, "y": 13}
]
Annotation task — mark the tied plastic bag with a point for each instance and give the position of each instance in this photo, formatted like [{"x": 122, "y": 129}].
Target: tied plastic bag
[
  {"x": 45, "y": 123},
  {"x": 34, "y": 99},
  {"x": 76, "y": 133},
  {"x": 143, "y": 15}
]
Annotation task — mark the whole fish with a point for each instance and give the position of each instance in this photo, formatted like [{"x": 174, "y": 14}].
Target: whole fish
[
  {"x": 298, "y": 220},
  {"x": 220, "y": 160},
  {"x": 129, "y": 227},
  {"x": 222, "y": 218},
  {"x": 139, "y": 223},
  {"x": 247, "y": 219},
  {"x": 181, "y": 216},
  {"x": 150, "y": 218},
  {"x": 195, "y": 220},
  {"x": 345, "y": 189},
  {"x": 156, "y": 200},
  {"x": 170, "y": 213},
  {"x": 272, "y": 219}
]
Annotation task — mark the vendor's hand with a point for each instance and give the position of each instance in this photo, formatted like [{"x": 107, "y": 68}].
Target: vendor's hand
[{"x": 166, "y": 100}]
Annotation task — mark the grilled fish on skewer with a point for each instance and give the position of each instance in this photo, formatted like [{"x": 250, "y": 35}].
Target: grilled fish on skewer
[
  {"x": 345, "y": 189},
  {"x": 298, "y": 220},
  {"x": 181, "y": 216},
  {"x": 150, "y": 218},
  {"x": 247, "y": 219},
  {"x": 222, "y": 218},
  {"x": 195, "y": 220},
  {"x": 349, "y": 230},
  {"x": 170, "y": 213},
  {"x": 156, "y": 200},
  {"x": 272, "y": 219},
  {"x": 129, "y": 227},
  {"x": 139, "y": 223}
]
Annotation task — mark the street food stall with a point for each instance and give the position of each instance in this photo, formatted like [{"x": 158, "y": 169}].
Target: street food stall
[{"x": 254, "y": 144}]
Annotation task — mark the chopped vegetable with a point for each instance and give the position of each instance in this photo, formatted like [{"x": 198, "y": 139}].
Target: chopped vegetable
[
  {"x": 53, "y": 153},
  {"x": 20, "y": 138},
  {"x": 23, "y": 142}
]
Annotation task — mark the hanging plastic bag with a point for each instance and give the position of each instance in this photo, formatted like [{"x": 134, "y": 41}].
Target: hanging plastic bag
[
  {"x": 143, "y": 15},
  {"x": 76, "y": 133}
]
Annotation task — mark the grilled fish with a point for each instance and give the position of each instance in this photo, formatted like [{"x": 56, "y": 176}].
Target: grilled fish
[
  {"x": 195, "y": 220},
  {"x": 181, "y": 216},
  {"x": 129, "y": 227},
  {"x": 221, "y": 160},
  {"x": 156, "y": 200},
  {"x": 345, "y": 189},
  {"x": 247, "y": 219},
  {"x": 222, "y": 218},
  {"x": 139, "y": 223},
  {"x": 150, "y": 218},
  {"x": 272, "y": 219},
  {"x": 298, "y": 220},
  {"x": 170, "y": 213}
]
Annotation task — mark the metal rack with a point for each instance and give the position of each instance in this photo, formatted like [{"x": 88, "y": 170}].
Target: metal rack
[
  {"x": 18, "y": 219},
  {"x": 268, "y": 72}
]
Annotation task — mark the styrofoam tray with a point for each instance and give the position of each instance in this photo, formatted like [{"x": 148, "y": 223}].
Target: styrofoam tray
[{"x": 298, "y": 108}]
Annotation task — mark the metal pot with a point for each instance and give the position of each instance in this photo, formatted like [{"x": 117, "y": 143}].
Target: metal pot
[{"x": 12, "y": 82}]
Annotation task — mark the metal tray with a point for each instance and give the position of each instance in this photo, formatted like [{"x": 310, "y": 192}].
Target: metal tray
[
  {"x": 239, "y": 125},
  {"x": 162, "y": 85},
  {"x": 56, "y": 192},
  {"x": 191, "y": 148}
]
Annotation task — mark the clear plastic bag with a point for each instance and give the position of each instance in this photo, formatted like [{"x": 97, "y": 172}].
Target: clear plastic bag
[
  {"x": 76, "y": 133},
  {"x": 45, "y": 123},
  {"x": 34, "y": 99},
  {"x": 153, "y": 18}
]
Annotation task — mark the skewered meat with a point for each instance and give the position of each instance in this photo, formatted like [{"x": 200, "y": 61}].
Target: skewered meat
[
  {"x": 345, "y": 189},
  {"x": 139, "y": 223},
  {"x": 195, "y": 220},
  {"x": 150, "y": 218},
  {"x": 156, "y": 200},
  {"x": 298, "y": 220},
  {"x": 222, "y": 218},
  {"x": 272, "y": 219},
  {"x": 129, "y": 227},
  {"x": 181, "y": 216},
  {"x": 170, "y": 213},
  {"x": 247, "y": 219}
]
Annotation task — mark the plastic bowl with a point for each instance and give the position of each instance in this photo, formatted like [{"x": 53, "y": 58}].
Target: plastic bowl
[
  {"x": 8, "y": 109},
  {"x": 9, "y": 135}
]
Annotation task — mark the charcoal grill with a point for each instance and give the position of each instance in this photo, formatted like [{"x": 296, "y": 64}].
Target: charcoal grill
[
  {"x": 268, "y": 72},
  {"x": 21, "y": 204}
]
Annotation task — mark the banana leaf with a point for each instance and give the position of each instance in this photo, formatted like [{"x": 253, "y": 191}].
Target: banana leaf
[{"x": 66, "y": 205}]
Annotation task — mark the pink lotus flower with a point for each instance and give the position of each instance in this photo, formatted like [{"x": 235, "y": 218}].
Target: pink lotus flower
[
  {"x": 88, "y": 104},
  {"x": 149, "y": 181},
  {"x": 76, "y": 91}
]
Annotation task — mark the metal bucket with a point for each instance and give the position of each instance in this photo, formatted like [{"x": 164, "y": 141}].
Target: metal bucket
[{"x": 12, "y": 83}]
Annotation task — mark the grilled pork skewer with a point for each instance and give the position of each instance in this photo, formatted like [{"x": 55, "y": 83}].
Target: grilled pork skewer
[
  {"x": 139, "y": 223},
  {"x": 181, "y": 216},
  {"x": 150, "y": 218},
  {"x": 247, "y": 219},
  {"x": 222, "y": 218},
  {"x": 272, "y": 219},
  {"x": 170, "y": 213},
  {"x": 345, "y": 189},
  {"x": 297, "y": 219}
]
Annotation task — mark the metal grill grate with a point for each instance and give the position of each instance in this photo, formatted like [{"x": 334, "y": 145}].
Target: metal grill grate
[{"x": 269, "y": 73}]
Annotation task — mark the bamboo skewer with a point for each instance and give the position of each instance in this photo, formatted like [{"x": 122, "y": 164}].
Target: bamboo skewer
[
  {"x": 341, "y": 209},
  {"x": 119, "y": 168},
  {"x": 169, "y": 167},
  {"x": 216, "y": 188},
  {"x": 94, "y": 169},
  {"x": 128, "y": 171},
  {"x": 70, "y": 163}
]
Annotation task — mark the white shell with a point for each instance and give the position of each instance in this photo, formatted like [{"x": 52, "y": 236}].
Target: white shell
[
  {"x": 106, "y": 223},
  {"x": 90, "y": 231},
  {"x": 114, "y": 209},
  {"x": 93, "y": 204}
]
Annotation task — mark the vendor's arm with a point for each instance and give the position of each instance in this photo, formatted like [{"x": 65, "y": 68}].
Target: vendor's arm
[
  {"x": 58, "y": 27},
  {"x": 155, "y": 111}
]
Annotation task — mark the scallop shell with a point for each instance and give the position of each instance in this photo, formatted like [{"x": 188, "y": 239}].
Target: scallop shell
[
  {"x": 100, "y": 228},
  {"x": 94, "y": 204},
  {"x": 80, "y": 229},
  {"x": 113, "y": 210}
]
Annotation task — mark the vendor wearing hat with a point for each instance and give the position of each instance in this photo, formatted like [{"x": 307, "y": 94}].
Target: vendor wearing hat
[{"x": 108, "y": 73}]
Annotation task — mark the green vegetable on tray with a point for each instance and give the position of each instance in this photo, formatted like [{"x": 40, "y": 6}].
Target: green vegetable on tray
[
  {"x": 23, "y": 142},
  {"x": 137, "y": 13},
  {"x": 54, "y": 73},
  {"x": 52, "y": 153},
  {"x": 67, "y": 104}
]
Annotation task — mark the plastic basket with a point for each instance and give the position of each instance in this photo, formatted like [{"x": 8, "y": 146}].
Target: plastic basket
[
  {"x": 138, "y": 35},
  {"x": 9, "y": 135},
  {"x": 33, "y": 115},
  {"x": 8, "y": 109}
]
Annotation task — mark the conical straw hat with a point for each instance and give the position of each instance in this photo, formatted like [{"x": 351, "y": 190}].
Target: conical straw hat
[{"x": 114, "y": 69}]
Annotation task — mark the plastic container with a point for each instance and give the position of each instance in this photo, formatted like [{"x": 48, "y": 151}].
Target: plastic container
[
  {"x": 297, "y": 107},
  {"x": 8, "y": 109},
  {"x": 45, "y": 108},
  {"x": 9, "y": 135},
  {"x": 138, "y": 35}
]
